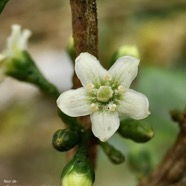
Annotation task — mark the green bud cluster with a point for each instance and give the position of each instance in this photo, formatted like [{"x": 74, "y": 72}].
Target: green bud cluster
[
  {"x": 136, "y": 130},
  {"x": 23, "y": 68},
  {"x": 65, "y": 139}
]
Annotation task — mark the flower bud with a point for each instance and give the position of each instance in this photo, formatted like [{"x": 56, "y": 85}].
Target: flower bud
[
  {"x": 71, "y": 50},
  {"x": 114, "y": 155},
  {"x": 138, "y": 131},
  {"x": 125, "y": 50},
  {"x": 78, "y": 172},
  {"x": 65, "y": 139}
]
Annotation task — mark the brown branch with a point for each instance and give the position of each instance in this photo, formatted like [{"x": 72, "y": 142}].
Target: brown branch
[
  {"x": 84, "y": 24},
  {"x": 85, "y": 34},
  {"x": 173, "y": 165}
]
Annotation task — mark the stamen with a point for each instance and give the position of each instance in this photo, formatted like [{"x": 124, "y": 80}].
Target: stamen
[
  {"x": 112, "y": 107},
  {"x": 94, "y": 107},
  {"x": 108, "y": 77},
  {"x": 90, "y": 87},
  {"x": 121, "y": 89}
]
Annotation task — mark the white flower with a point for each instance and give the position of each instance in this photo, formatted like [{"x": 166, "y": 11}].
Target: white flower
[
  {"x": 105, "y": 94},
  {"x": 16, "y": 43}
]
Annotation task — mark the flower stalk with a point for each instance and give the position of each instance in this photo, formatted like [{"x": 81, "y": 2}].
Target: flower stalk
[{"x": 79, "y": 172}]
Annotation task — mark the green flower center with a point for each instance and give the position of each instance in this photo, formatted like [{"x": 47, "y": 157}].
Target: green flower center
[{"x": 104, "y": 93}]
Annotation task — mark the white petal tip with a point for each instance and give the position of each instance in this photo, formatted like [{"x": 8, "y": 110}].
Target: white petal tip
[
  {"x": 16, "y": 27},
  {"x": 104, "y": 124},
  {"x": 84, "y": 56},
  {"x": 103, "y": 139},
  {"x": 27, "y": 33}
]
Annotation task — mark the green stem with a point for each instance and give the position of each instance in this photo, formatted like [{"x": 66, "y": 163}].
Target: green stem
[{"x": 83, "y": 144}]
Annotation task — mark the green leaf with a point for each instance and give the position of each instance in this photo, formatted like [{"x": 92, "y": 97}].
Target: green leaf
[{"x": 2, "y": 4}]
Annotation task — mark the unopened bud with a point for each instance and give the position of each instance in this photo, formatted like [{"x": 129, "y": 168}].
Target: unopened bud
[
  {"x": 138, "y": 131},
  {"x": 65, "y": 139},
  {"x": 78, "y": 172},
  {"x": 70, "y": 49},
  {"x": 125, "y": 50},
  {"x": 114, "y": 155}
]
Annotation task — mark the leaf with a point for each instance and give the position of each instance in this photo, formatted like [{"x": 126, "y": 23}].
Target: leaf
[{"x": 2, "y": 4}]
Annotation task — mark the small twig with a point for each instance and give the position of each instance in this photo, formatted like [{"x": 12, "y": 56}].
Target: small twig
[{"x": 173, "y": 166}]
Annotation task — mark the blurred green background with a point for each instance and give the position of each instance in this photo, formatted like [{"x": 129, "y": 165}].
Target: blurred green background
[{"x": 28, "y": 119}]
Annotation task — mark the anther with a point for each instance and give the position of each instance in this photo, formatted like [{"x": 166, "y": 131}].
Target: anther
[
  {"x": 108, "y": 77},
  {"x": 121, "y": 89},
  {"x": 90, "y": 87},
  {"x": 94, "y": 107},
  {"x": 112, "y": 107}
]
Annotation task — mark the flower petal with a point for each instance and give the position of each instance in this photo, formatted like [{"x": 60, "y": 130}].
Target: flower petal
[
  {"x": 89, "y": 69},
  {"x": 135, "y": 105},
  {"x": 74, "y": 103},
  {"x": 124, "y": 70},
  {"x": 17, "y": 41},
  {"x": 104, "y": 124}
]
